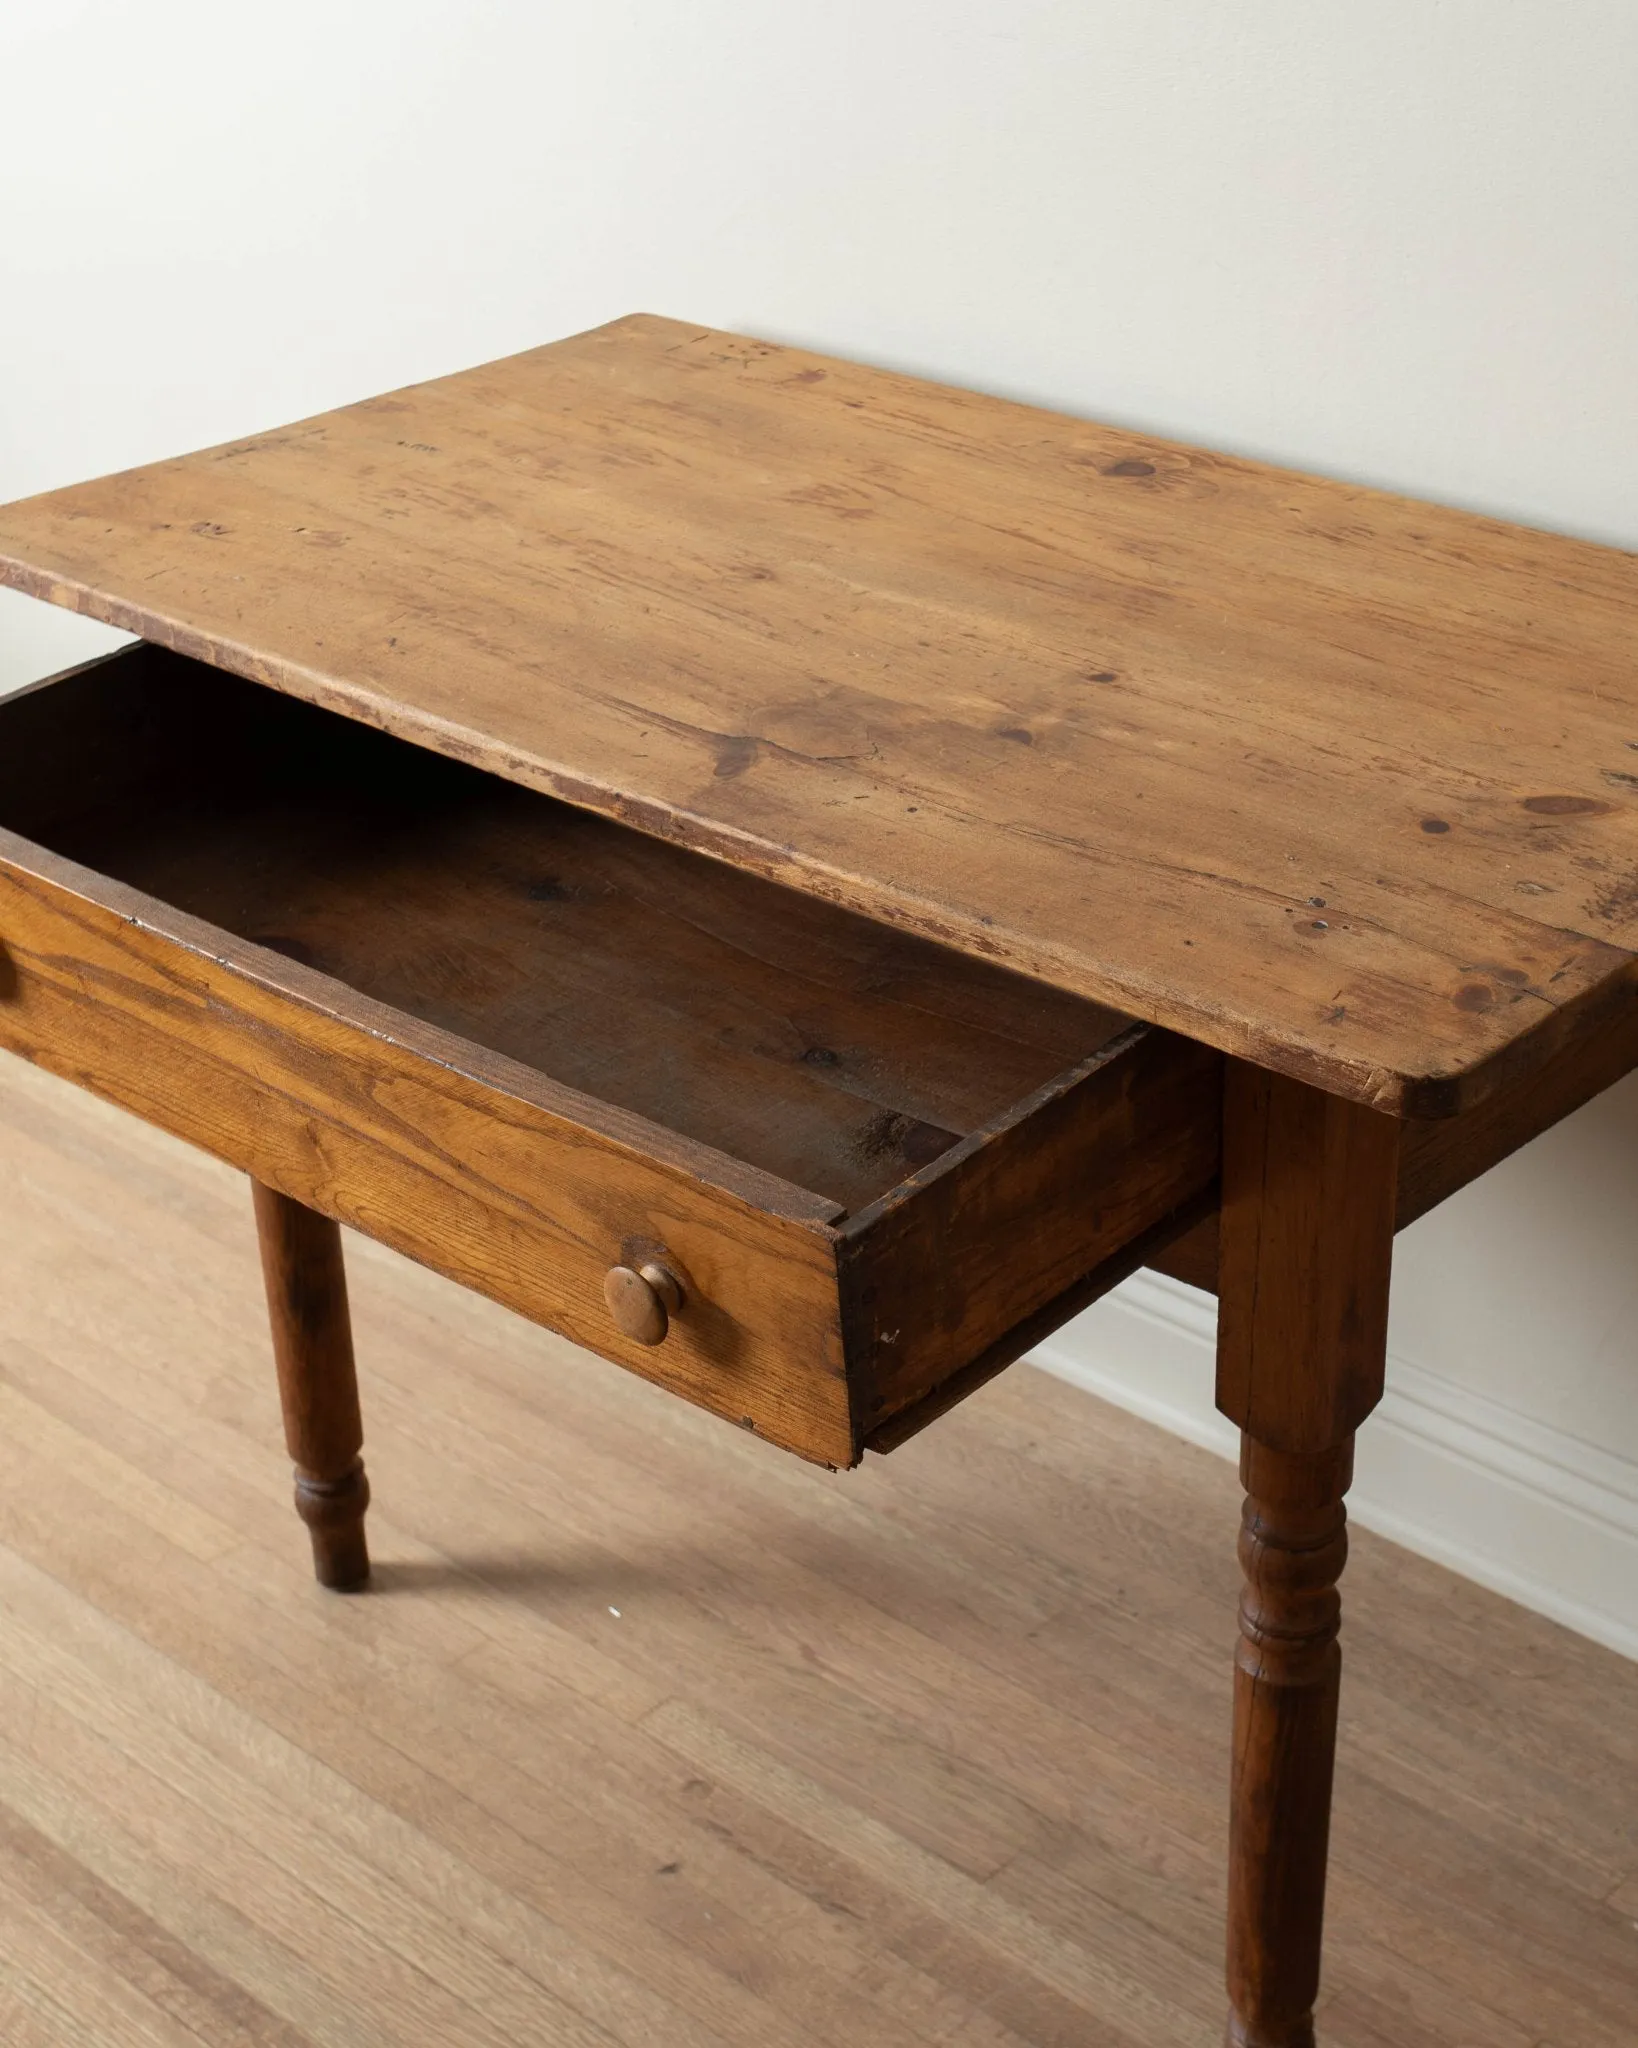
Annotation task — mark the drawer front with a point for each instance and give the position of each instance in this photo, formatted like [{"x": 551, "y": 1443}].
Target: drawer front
[{"x": 465, "y": 1162}]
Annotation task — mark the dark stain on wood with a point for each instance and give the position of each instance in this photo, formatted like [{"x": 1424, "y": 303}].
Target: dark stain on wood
[{"x": 1566, "y": 807}]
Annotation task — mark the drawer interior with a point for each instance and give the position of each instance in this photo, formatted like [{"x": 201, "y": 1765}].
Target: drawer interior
[{"x": 811, "y": 1043}]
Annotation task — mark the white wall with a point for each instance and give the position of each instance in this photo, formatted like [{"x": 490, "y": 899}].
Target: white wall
[{"x": 1395, "y": 241}]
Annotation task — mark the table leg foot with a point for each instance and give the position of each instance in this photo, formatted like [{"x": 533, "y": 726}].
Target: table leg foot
[
  {"x": 318, "y": 1382},
  {"x": 1237, "y": 2036},
  {"x": 333, "y": 1510}
]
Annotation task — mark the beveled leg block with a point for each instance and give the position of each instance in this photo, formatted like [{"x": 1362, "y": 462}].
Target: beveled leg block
[{"x": 318, "y": 1382}]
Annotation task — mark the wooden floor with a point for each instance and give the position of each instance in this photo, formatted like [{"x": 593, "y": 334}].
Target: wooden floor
[{"x": 650, "y": 1735}]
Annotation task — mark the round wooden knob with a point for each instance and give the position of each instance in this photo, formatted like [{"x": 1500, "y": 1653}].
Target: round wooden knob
[{"x": 643, "y": 1299}]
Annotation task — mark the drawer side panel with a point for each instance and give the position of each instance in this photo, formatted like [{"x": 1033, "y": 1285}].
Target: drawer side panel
[{"x": 946, "y": 1266}]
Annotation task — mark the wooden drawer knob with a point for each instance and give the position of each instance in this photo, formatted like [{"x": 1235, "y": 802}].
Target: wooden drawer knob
[{"x": 643, "y": 1299}]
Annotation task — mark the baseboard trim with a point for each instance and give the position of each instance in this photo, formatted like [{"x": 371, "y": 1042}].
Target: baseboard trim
[{"x": 1533, "y": 1513}]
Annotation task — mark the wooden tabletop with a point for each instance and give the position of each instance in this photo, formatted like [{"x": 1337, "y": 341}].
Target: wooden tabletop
[{"x": 1337, "y": 781}]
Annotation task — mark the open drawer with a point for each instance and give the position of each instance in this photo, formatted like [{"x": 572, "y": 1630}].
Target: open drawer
[{"x": 806, "y": 1171}]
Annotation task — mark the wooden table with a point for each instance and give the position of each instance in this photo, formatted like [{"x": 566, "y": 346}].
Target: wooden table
[{"x": 801, "y": 879}]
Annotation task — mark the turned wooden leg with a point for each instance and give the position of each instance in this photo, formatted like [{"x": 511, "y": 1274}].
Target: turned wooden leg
[
  {"x": 1293, "y": 1541},
  {"x": 1309, "y": 1185},
  {"x": 318, "y": 1385}
]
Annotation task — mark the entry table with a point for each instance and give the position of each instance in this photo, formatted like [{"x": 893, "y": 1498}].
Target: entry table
[{"x": 801, "y": 879}]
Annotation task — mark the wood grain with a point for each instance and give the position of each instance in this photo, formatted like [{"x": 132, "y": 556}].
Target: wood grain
[
  {"x": 927, "y": 1756},
  {"x": 1337, "y": 782}
]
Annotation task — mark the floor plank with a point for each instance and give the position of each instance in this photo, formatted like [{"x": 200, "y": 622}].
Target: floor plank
[{"x": 647, "y": 1734}]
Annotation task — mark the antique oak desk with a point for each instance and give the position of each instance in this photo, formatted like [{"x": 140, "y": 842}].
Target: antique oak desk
[{"x": 801, "y": 879}]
